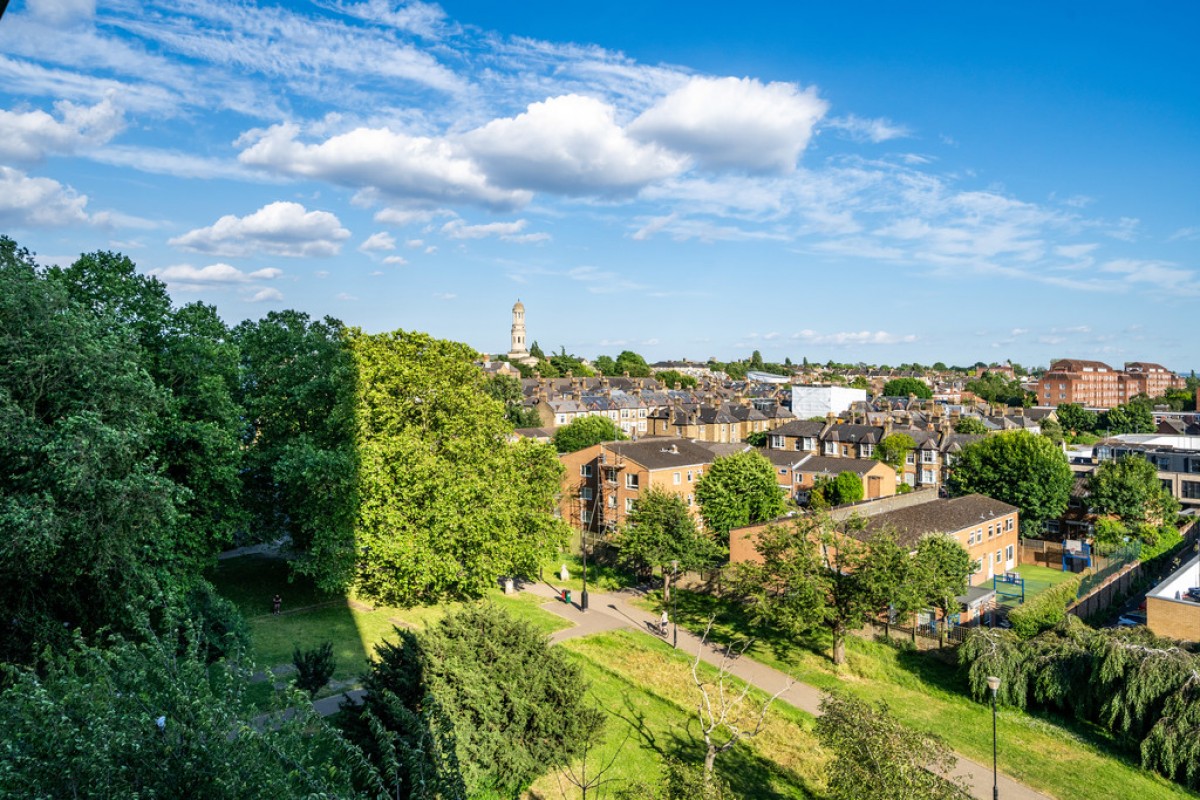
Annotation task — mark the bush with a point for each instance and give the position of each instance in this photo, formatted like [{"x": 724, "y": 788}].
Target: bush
[
  {"x": 1045, "y": 610},
  {"x": 314, "y": 667},
  {"x": 222, "y": 629}
]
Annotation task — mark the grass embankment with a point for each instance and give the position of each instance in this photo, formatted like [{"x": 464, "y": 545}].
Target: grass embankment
[
  {"x": 647, "y": 691},
  {"x": 1063, "y": 758},
  {"x": 311, "y": 617}
]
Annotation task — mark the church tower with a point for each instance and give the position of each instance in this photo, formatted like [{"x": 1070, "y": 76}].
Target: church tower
[{"x": 519, "y": 351}]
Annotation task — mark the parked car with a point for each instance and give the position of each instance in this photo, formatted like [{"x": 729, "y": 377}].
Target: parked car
[
  {"x": 1193, "y": 594},
  {"x": 1131, "y": 619}
]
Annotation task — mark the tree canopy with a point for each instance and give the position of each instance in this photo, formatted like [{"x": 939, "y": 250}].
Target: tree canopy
[
  {"x": 737, "y": 490},
  {"x": 1018, "y": 468},
  {"x": 1132, "y": 417},
  {"x": 1077, "y": 419},
  {"x": 1129, "y": 488},
  {"x": 661, "y": 530},
  {"x": 585, "y": 432},
  {"x": 903, "y": 387},
  {"x": 970, "y": 425}
]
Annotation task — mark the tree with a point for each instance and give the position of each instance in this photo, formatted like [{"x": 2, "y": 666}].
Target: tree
[
  {"x": 585, "y": 432},
  {"x": 446, "y": 506},
  {"x": 737, "y": 490},
  {"x": 903, "y": 387},
  {"x": 757, "y": 438},
  {"x": 970, "y": 425},
  {"x": 1018, "y": 468},
  {"x": 564, "y": 362},
  {"x": 1076, "y": 419},
  {"x": 847, "y": 488},
  {"x": 631, "y": 362},
  {"x": 661, "y": 530},
  {"x": 1052, "y": 430},
  {"x": 512, "y": 706},
  {"x": 1129, "y": 488},
  {"x": 1133, "y": 417},
  {"x": 314, "y": 667},
  {"x": 893, "y": 450},
  {"x": 860, "y": 382},
  {"x": 507, "y": 390},
  {"x": 87, "y": 519},
  {"x": 943, "y": 570},
  {"x": 670, "y": 378},
  {"x": 536, "y": 351},
  {"x": 150, "y": 718},
  {"x": 876, "y": 756},
  {"x": 756, "y": 360},
  {"x": 995, "y": 388}
]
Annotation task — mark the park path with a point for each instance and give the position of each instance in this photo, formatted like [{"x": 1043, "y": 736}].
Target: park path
[{"x": 611, "y": 611}]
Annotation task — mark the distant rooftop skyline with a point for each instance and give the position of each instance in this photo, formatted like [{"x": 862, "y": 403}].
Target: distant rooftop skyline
[{"x": 883, "y": 183}]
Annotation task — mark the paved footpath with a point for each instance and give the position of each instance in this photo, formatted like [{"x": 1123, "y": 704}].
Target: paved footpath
[{"x": 612, "y": 611}]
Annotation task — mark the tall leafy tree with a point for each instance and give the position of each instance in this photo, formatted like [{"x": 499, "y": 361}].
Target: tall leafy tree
[
  {"x": 903, "y": 387},
  {"x": 634, "y": 364},
  {"x": 297, "y": 389},
  {"x": 1129, "y": 488},
  {"x": 1019, "y": 468},
  {"x": 1132, "y": 417},
  {"x": 606, "y": 365},
  {"x": 972, "y": 425},
  {"x": 445, "y": 505},
  {"x": 1076, "y": 419},
  {"x": 585, "y": 432},
  {"x": 661, "y": 530},
  {"x": 738, "y": 490},
  {"x": 507, "y": 390},
  {"x": 893, "y": 450},
  {"x": 87, "y": 519}
]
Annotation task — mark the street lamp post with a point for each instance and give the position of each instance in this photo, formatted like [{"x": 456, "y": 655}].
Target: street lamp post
[
  {"x": 994, "y": 684},
  {"x": 674, "y": 621},
  {"x": 583, "y": 598}
]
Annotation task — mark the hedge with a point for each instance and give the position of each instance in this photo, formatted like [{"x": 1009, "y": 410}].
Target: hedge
[{"x": 1045, "y": 610}]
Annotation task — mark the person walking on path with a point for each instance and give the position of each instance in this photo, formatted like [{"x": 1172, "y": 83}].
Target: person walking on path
[
  {"x": 662, "y": 624},
  {"x": 276, "y": 605}
]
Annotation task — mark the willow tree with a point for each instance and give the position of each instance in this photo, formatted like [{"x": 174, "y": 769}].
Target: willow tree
[{"x": 446, "y": 505}]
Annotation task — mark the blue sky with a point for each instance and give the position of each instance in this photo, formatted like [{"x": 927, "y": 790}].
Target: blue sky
[{"x": 876, "y": 182}]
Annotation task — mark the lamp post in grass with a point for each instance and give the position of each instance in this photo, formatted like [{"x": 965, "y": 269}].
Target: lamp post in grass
[
  {"x": 674, "y": 619},
  {"x": 583, "y": 597},
  {"x": 994, "y": 684}
]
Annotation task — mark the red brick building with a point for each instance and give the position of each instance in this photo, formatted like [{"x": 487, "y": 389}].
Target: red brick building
[{"x": 1097, "y": 385}]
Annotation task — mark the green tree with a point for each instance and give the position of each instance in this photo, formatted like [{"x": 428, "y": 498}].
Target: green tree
[
  {"x": 564, "y": 362},
  {"x": 445, "y": 505},
  {"x": 507, "y": 390},
  {"x": 87, "y": 519},
  {"x": 669, "y": 378},
  {"x": 737, "y": 490},
  {"x": 1052, "y": 430},
  {"x": 970, "y": 425},
  {"x": 661, "y": 530},
  {"x": 846, "y": 488},
  {"x": 153, "y": 719},
  {"x": 993, "y": 387},
  {"x": 893, "y": 450},
  {"x": 513, "y": 706},
  {"x": 585, "y": 432},
  {"x": 634, "y": 364},
  {"x": 943, "y": 570},
  {"x": 860, "y": 382},
  {"x": 606, "y": 365},
  {"x": 1077, "y": 419},
  {"x": 297, "y": 389},
  {"x": 314, "y": 667},
  {"x": 757, "y": 438},
  {"x": 903, "y": 387},
  {"x": 876, "y": 756},
  {"x": 1018, "y": 468},
  {"x": 756, "y": 360},
  {"x": 1133, "y": 417},
  {"x": 536, "y": 351},
  {"x": 1129, "y": 488}
]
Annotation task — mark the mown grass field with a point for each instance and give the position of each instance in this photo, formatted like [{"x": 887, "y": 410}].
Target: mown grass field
[{"x": 1063, "y": 758}]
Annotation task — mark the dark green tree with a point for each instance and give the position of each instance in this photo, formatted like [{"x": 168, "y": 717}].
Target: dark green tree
[
  {"x": 585, "y": 432},
  {"x": 1132, "y": 417},
  {"x": 564, "y": 362},
  {"x": 314, "y": 667},
  {"x": 606, "y": 365},
  {"x": 756, "y": 360},
  {"x": 507, "y": 390},
  {"x": 738, "y": 490},
  {"x": 971, "y": 425},
  {"x": 1018, "y": 468},
  {"x": 1129, "y": 488},
  {"x": 893, "y": 450},
  {"x": 634, "y": 364},
  {"x": 536, "y": 351},
  {"x": 1076, "y": 419},
  {"x": 661, "y": 530},
  {"x": 669, "y": 378},
  {"x": 903, "y": 387}
]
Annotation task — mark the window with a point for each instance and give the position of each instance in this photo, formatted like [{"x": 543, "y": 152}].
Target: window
[
  {"x": 689, "y": 499},
  {"x": 845, "y": 450},
  {"x": 867, "y": 450},
  {"x": 701, "y": 430},
  {"x": 677, "y": 478},
  {"x": 610, "y": 475},
  {"x": 990, "y": 534},
  {"x": 1008, "y": 553},
  {"x": 1008, "y": 524},
  {"x": 631, "y": 482},
  {"x": 689, "y": 476},
  {"x": 809, "y": 444},
  {"x": 979, "y": 536},
  {"x": 1051, "y": 526},
  {"x": 928, "y": 456},
  {"x": 641, "y": 413},
  {"x": 927, "y": 476},
  {"x": 1190, "y": 490},
  {"x": 909, "y": 458},
  {"x": 612, "y": 501},
  {"x": 777, "y": 442},
  {"x": 585, "y": 516},
  {"x": 1195, "y": 465},
  {"x": 629, "y": 504},
  {"x": 831, "y": 448},
  {"x": 585, "y": 470},
  {"x": 999, "y": 556},
  {"x": 783, "y": 470},
  {"x": 585, "y": 493}
]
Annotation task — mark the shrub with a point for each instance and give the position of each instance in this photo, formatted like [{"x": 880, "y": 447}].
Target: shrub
[
  {"x": 314, "y": 667},
  {"x": 1045, "y": 610}
]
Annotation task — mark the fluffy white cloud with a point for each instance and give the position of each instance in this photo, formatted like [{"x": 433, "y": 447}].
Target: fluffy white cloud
[
  {"x": 377, "y": 242},
  {"x": 396, "y": 260},
  {"x": 568, "y": 145},
  {"x": 394, "y": 164},
  {"x": 265, "y": 294},
  {"x": 281, "y": 228},
  {"x": 62, "y": 12},
  {"x": 27, "y": 202},
  {"x": 410, "y": 216},
  {"x": 1161, "y": 275},
  {"x": 213, "y": 274},
  {"x": 31, "y": 135},
  {"x": 734, "y": 123},
  {"x": 508, "y": 231}
]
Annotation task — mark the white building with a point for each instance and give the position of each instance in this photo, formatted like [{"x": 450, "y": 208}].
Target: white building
[{"x": 820, "y": 401}]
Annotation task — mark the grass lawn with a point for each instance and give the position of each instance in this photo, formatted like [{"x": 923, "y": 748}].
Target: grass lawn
[
  {"x": 1068, "y": 760},
  {"x": 646, "y": 689},
  {"x": 601, "y": 578},
  {"x": 310, "y": 618}
]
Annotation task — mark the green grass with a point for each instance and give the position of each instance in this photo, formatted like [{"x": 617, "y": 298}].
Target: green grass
[
  {"x": 646, "y": 690},
  {"x": 601, "y": 577},
  {"x": 1037, "y": 580},
  {"x": 1063, "y": 758}
]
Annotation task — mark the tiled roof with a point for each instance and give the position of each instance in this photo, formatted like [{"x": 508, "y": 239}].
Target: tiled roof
[
  {"x": 938, "y": 516},
  {"x": 662, "y": 453}
]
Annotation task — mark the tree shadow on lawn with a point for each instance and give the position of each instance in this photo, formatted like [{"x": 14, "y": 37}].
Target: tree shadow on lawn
[{"x": 747, "y": 773}]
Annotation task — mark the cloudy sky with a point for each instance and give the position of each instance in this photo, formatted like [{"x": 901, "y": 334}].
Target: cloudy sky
[{"x": 895, "y": 182}]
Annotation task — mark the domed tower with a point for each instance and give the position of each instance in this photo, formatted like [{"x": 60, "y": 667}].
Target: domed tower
[{"x": 519, "y": 351}]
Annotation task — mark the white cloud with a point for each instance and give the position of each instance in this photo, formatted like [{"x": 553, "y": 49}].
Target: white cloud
[
  {"x": 508, "y": 231},
  {"x": 1019, "y": 331},
  {"x": 423, "y": 19},
  {"x": 27, "y": 202},
  {"x": 62, "y": 12},
  {"x": 394, "y": 164},
  {"x": 377, "y": 242},
  {"x": 1159, "y": 275},
  {"x": 266, "y": 294},
  {"x": 568, "y": 145},
  {"x": 346, "y": 297},
  {"x": 734, "y": 123},
  {"x": 877, "y": 130},
  {"x": 280, "y": 228},
  {"x": 410, "y": 216},
  {"x": 445, "y": 295},
  {"x": 213, "y": 274},
  {"x": 397, "y": 260},
  {"x": 1189, "y": 234},
  {"x": 853, "y": 337},
  {"x": 32, "y": 135}
]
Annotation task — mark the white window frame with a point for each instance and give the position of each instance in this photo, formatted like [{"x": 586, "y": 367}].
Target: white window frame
[
  {"x": 777, "y": 442},
  {"x": 676, "y": 478},
  {"x": 831, "y": 448},
  {"x": 585, "y": 470},
  {"x": 585, "y": 493},
  {"x": 628, "y": 504},
  {"x": 631, "y": 482}
]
